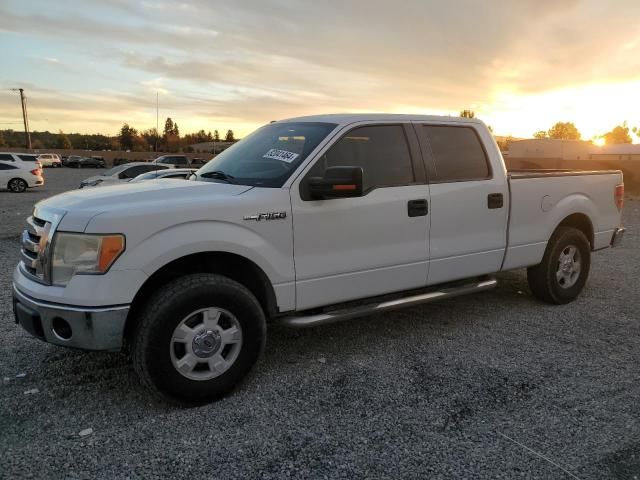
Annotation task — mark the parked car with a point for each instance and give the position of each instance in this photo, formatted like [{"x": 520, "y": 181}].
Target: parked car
[
  {"x": 305, "y": 222},
  {"x": 71, "y": 161},
  {"x": 76, "y": 161},
  {"x": 169, "y": 173},
  {"x": 120, "y": 174},
  {"x": 198, "y": 162},
  {"x": 50, "y": 160},
  {"x": 175, "y": 160},
  {"x": 18, "y": 176}
]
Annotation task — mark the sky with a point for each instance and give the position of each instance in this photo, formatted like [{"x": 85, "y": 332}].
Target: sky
[{"x": 90, "y": 66}]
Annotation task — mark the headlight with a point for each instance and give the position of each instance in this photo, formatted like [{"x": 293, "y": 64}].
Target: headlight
[{"x": 76, "y": 253}]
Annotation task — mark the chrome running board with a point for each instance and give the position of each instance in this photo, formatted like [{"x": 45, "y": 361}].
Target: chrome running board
[{"x": 313, "y": 320}]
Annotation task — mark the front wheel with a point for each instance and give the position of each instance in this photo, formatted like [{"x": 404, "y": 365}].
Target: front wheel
[
  {"x": 564, "y": 269},
  {"x": 17, "y": 185},
  {"x": 197, "y": 338}
]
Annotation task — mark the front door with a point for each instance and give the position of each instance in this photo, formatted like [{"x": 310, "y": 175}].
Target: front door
[{"x": 348, "y": 248}]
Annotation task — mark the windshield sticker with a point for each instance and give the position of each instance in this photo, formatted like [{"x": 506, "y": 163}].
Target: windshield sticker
[{"x": 281, "y": 155}]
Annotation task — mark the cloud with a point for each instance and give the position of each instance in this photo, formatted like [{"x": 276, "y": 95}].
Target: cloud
[{"x": 259, "y": 59}]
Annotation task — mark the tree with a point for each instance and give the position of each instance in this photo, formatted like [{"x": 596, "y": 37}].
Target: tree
[
  {"x": 540, "y": 134},
  {"x": 63, "y": 141},
  {"x": 620, "y": 134},
  {"x": 229, "y": 136},
  {"x": 168, "y": 126},
  {"x": 564, "y": 131},
  {"x": 216, "y": 136},
  {"x": 171, "y": 136},
  {"x": 468, "y": 114},
  {"x": 2, "y": 142},
  {"x": 151, "y": 137},
  {"x": 127, "y": 137}
]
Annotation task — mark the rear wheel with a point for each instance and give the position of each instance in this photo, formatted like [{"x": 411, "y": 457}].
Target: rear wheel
[
  {"x": 197, "y": 338},
  {"x": 564, "y": 269},
  {"x": 17, "y": 185}
]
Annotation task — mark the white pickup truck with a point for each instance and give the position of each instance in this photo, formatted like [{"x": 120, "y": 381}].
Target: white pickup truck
[{"x": 304, "y": 222}]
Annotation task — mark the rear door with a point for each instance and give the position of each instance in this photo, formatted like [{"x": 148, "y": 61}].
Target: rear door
[
  {"x": 468, "y": 203},
  {"x": 7, "y": 172},
  {"x": 348, "y": 248}
]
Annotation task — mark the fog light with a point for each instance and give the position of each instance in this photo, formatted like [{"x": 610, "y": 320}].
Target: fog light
[{"x": 61, "y": 328}]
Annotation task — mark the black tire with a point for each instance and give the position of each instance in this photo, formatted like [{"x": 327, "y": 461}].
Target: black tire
[
  {"x": 151, "y": 339},
  {"x": 17, "y": 185},
  {"x": 543, "y": 279}
]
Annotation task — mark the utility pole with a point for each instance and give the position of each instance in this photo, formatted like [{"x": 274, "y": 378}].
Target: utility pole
[
  {"x": 23, "y": 101},
  {"x": 157, "y": 133}
]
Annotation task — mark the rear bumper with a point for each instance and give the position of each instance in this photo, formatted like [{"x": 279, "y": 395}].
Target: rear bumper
[
  {"x": 88, "y": 328},
  {"x": 36, "y": 181},
  {"x": 617, "y": 236}
]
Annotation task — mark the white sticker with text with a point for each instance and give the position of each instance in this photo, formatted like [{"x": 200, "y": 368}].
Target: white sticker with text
[{"x": 281, "y": 155}]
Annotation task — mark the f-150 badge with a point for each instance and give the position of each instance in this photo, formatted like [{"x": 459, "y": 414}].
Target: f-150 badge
[{"x": 266, "y": 216}]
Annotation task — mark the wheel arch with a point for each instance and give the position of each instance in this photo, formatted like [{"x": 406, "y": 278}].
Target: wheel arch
[
  {"x": 579, "y": 221},
  {"x": 231, "y": 265}
]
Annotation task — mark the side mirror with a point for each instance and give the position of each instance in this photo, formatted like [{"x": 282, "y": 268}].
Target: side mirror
[{"x": 338, "y": 182}]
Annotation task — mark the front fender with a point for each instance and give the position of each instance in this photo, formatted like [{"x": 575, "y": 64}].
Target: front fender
[{"x": 273, "y": 255}]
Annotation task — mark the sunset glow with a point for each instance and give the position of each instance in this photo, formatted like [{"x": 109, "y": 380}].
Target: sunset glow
[{"x": 238, "y": 66}]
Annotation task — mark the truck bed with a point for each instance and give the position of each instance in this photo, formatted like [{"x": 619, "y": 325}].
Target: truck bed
[{"x": 542, "y": 199}]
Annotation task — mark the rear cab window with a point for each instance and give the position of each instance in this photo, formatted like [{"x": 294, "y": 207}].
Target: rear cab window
[{"x": 454, "y": 154}]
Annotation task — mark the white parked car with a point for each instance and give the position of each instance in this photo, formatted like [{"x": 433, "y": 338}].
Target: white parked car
[
  {"x": 306, "y": 221},
  {"x": 50, "y": 160},
  {"x": 18, "y": 176},
  {"x": 174, "y": 160},
  {"x": 169, "y": 173},
  {"x": 121, "y": 174}
]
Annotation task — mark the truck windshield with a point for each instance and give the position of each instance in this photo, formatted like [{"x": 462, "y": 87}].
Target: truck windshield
[{"x": 268, "y": 156}]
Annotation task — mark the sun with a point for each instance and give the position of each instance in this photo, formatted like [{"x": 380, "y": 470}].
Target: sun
[{"x": 598, "y": 141}]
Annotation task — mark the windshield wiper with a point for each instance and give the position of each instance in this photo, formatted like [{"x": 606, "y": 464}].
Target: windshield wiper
[{"x": 219, "y": 175}]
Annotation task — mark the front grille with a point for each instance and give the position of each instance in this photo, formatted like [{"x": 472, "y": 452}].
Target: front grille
[{"x": 33, "y": 255}]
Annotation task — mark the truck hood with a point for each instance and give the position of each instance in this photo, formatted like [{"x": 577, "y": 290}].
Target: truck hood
[{"x": 77, "y": 207}]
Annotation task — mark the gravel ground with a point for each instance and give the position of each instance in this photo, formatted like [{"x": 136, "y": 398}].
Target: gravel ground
[{"x": 495, "y": 385}]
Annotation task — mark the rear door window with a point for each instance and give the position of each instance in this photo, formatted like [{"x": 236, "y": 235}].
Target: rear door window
[{"x": 457, "y": 153}]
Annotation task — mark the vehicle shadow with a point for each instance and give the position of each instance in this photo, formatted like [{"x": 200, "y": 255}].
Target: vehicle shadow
[{"x": 108, "y": 378}]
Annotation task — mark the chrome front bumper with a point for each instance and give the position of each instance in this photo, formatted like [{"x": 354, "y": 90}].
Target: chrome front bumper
[
  {"x": 617, "y": 236},
  {"x": 88, "y": 328}
]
